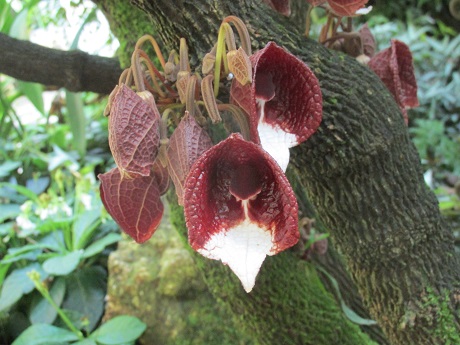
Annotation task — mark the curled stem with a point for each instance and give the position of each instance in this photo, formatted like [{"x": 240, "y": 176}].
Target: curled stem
[
  {"x": 155, "y": 45},
  {"x": 209, "y": 99},
  {"x": 137, "y": 71},
  {"x": 243, "y": 33},
  {"x": 220, "y": 54},
  {"x": 308, "y": 21},
  {"x": 190, "y": 94},
  {"x": 230, "y": 38},
  {"x": 240, "y": 118}
]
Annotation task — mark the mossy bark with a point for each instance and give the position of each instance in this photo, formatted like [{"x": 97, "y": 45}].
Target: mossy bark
[{"x": 362, "y": 174}]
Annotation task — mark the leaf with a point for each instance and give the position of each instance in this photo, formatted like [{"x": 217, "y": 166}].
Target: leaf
[
  {"x": 161, "y": 176},
  {"x": 42, "y": 311},
  {"x": 284, "y": 102},
  {"x": 63, "y": 264},
  {"x": 9, "y": 211},
  {"x": 7, "y": 167},
  {"x": 84, "y": 227},
  {"x": 239, "y": 207},
  {"x": 134, "y": 203},
  {"x": 86, "y": 289},
  {"x": 42, "y": 334},
  {"x": 21, "y": 190},
  {"x": 119, "y": 330},
  {"x": 85, "y": 342},
  {"x": 99, "y": 245},
  {"x": 344, "y": 8},
  {"x": 17, "y": 284},
  {"x": 349, "y": 313},
  {"x": 77, "y": 121},
  {"x": 187, "y": 143},
  {"x": 33, "y": 92},
  {"x": 134, "y": 132}
]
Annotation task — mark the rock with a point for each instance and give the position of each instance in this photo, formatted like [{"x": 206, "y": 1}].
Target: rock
[{"x": 159, "y": 283}]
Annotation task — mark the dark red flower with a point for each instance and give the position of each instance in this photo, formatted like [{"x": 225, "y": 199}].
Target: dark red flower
[
  {"x": 343, "y": 8},
  {"x": 284, "y": 102},
  {"x": 239, "y": 207},
  {"x": 394, "y": 67}
]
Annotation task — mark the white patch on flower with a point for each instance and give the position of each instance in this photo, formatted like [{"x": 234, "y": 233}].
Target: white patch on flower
[
  {"x": 364, "y": 10},
  {"x": 274, "y": 140},
  {"x": 86, "y": 200},
  {"x": 243, "y": 248}
]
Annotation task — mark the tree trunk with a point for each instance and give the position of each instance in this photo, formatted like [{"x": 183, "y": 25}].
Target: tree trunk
[{"x": 362, "y": 174}]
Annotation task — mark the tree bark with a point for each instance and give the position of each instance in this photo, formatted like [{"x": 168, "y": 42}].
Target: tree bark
[
  {"x": 74, "y": 70},
  {"x": 362, "y": 173}
]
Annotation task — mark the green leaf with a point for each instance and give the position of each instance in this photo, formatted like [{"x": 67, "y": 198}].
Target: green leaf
[
  {"x": 77, "y": 121},
  {"x": 119, "y": 330},
  {"x": 84, "y": 227},
  {"x": 17, "y": 284},
  {"x": 86, "y": 290},
  {"x": 42, "y": 334},
  {"x": 9, "y": 211},
  {"x": 21, "y": 190},
  {"x": 99, "y": 245},
  {"x": 33, "y": 92},
  {"x": 350, "y": 314},
  {"x": 7, "y": 167},
  {"x": 19, "y": 27},
  {"x": 23, "y": 253},
  {"x": 43, "y": 311},
  {"x": 63, "y": 264},
  {"x": 85, "y": 342}
]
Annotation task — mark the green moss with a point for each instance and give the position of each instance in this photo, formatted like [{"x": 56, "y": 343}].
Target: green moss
[
  {"x": 437, "y": 310},
  {"x": 288, "y": 305},
  {"x": 127, "y": 23}
]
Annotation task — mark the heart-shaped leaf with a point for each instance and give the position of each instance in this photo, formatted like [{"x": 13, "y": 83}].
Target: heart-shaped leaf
[
  {"x": 316, "y": 2},
  {"x": 394, "y": 67},
  {"x": 186, "y": 144},
  {"x": 239, "y": 207},
  {"x": 284, "y": 102},
  {"x": 134, "y": 203},
  {"x": 134, "y": 131}
]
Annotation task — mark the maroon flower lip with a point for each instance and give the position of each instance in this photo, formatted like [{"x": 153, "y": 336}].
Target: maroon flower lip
[
  {"x": 284, "y": 102},
  {"x": 239, "y": 207}
]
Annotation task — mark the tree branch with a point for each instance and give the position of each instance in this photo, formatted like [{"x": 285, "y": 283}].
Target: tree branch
[{"x": 75, "y": 70}]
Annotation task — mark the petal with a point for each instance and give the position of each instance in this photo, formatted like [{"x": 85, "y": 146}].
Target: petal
[
  {"x": 284, "y": 103},
  {"x": 239, "y": 207},
  {"x": 345, "y": 8},
  {"x": 394, "y": 67},
  {"x": 186, "y": 144},
  {"x": 134, "y": 132},
  {"x": 134, "y": 203}
]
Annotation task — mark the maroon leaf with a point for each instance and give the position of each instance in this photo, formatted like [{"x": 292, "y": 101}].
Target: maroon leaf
[
  {"x": 284, "y": 102},
  {"x": 133, "y": 132},
  {"x": 394, "y": 67},
  {"x": 345, "y": 8},
  {"x": 281, "y": 6},
  {"x": 239, "y": 207},
  {"x": 186, "y": 144},
  {"x": 134, "y": 203}
]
